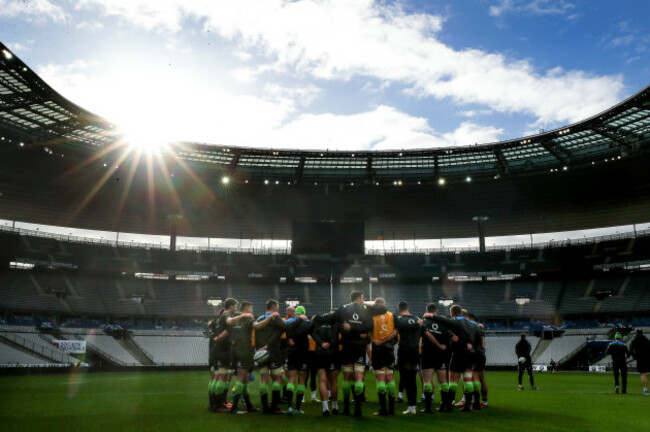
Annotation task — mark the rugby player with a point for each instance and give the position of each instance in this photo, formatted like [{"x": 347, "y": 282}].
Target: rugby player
[
  {"x": 462, "y": 353},
  {"x": 241, "y": 327},
  {"x": 436, "y": 355},
  {"x": 297, "y": 358},
  {"x": 223, "y": 355},
  {"x": 326, "y": 337},
  {"x": 408, "y": 356},
  {"x": 356, "y": 322},
  {"x": 272, "y": 373},
  {"x": 381, "y": 357}
]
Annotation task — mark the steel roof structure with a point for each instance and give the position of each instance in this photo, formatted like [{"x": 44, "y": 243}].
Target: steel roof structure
[{"x": 31, "y": 110}]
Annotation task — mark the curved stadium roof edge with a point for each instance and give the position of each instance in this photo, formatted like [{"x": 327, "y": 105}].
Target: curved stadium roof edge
[{"x": 31, "y": 110}]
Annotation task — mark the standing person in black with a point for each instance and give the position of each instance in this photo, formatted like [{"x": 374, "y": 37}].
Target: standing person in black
[
  {"x": 640, "y": 349},
  {"x": 355, "y": 323},
  {"x": 436, "y": 355},
  {"x": 523, "y": 350},
  {"x": 327, "y": 364},
  {"x": 619, "y": 352},
  {"x": 409, "y": 328},
  {"x": 462, "y": 355}
]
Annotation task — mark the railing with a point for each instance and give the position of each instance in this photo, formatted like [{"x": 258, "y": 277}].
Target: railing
[
  {"x": 38, "y": 348},
  {"x": 287, "y": 250},
  {"x": 84, "y": 240}
]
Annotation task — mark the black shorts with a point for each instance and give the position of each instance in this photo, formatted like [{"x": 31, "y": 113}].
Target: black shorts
[
  {"x": 460, "y": 362},
  {"x": 244, "y": 358},
  {"x": 643, "y": 366},
  {"x": 298, "y": 360},
  {"x": 222, "y": 357},
  {"x": 408, "y": 359},
  {"x": 276, "y": 359},
  {"x": 353, "y": 354},
  {"x": 383, "y": 356},
  {"x": 479, "y": 362},
  {"x": 329, "y": 362},
  {"x": 436, "y": 359}
]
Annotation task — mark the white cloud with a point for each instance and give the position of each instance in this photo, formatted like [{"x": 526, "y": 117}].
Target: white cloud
[
  {"x": 18, "y": 47},
  {"x": 474, "y": 113},
  {"x": 131, "y": 98},
  {"x": 533, "y": 7},
  {"x": 382, "y": 128},
  {"x": 243, "y": 55},
  {"x": 32, "y": 10},
  {"x": 89, "y": 25},
  {"x": 339, "y": 40}
]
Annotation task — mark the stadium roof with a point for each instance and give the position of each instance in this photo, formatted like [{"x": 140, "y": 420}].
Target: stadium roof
[
  {"x": 30, "y": 110},
  {"x": 63, "y": 165}
]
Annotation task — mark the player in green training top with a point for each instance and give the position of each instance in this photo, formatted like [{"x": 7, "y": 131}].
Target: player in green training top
[{"x": 241, "y": 328}]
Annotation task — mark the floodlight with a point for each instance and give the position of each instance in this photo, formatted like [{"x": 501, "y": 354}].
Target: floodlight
[{"x": 225, "y": 179}]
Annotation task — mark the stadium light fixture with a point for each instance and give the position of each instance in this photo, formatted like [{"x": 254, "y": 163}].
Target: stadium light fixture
[
  {"x": 441, "y": 181},
  {"x": 7, "y": 54},
  {"x": 468, "y": 179},
  {"x": 522, "y": 300},
  {"x": 225, "y": 179},
  {"x": 22, "y": 144},
  {"x": 292, "y": 303},
  {"x": 214, "y": 301},
  {"x": 445, "y": 301},
  {"x": 266, "y": 182},
  {"x": 277, "y": 182}
]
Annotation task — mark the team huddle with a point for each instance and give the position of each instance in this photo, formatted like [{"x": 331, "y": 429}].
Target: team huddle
[{"x": 353, "y": 339}]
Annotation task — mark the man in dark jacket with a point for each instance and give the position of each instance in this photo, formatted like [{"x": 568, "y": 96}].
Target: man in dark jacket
[
  {"x": 525, "y": 363},
  {"x": 619, "y": 352},
  {"x": 640, "y": 349}
]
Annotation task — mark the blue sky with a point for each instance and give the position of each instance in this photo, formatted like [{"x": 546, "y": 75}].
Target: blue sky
[{"x": 337, "y": 74}]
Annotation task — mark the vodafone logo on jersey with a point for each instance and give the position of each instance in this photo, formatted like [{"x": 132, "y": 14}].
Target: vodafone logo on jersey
[{"x": 355, "y": 318}]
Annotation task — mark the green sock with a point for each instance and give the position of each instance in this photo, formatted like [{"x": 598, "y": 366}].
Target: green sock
[
  {"x": 381, "y": 387},
  {"x": 264, "y": 389},
  {"x": 290, "y": 387},
  {"x": 300, "y": 389},
  {"x": 212, "y": 386},
  {"x": 390, "y": 388},
  {"x": 444, "y": 387},
  {"x": 358, "y": 388},
  {"x": 453, "y": 387},
  {"x": 469, "y": 387},
  {"x": 346, "y": 388},
  {"x": 427, "y": 388},
  {"x": 239, "y": 388},
  {"x": 477, "y": 386},
  {"x": 276, "y": 387}
]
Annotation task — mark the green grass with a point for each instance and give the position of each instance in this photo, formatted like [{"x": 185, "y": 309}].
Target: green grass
[{"x": 177, "y": 401}]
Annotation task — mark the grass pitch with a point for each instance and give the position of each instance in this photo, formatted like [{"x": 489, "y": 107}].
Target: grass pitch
[{"x": 177, "y": 401}]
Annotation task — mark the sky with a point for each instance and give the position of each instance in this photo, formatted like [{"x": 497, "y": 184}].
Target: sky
[{"x": 335, "y": 74}]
